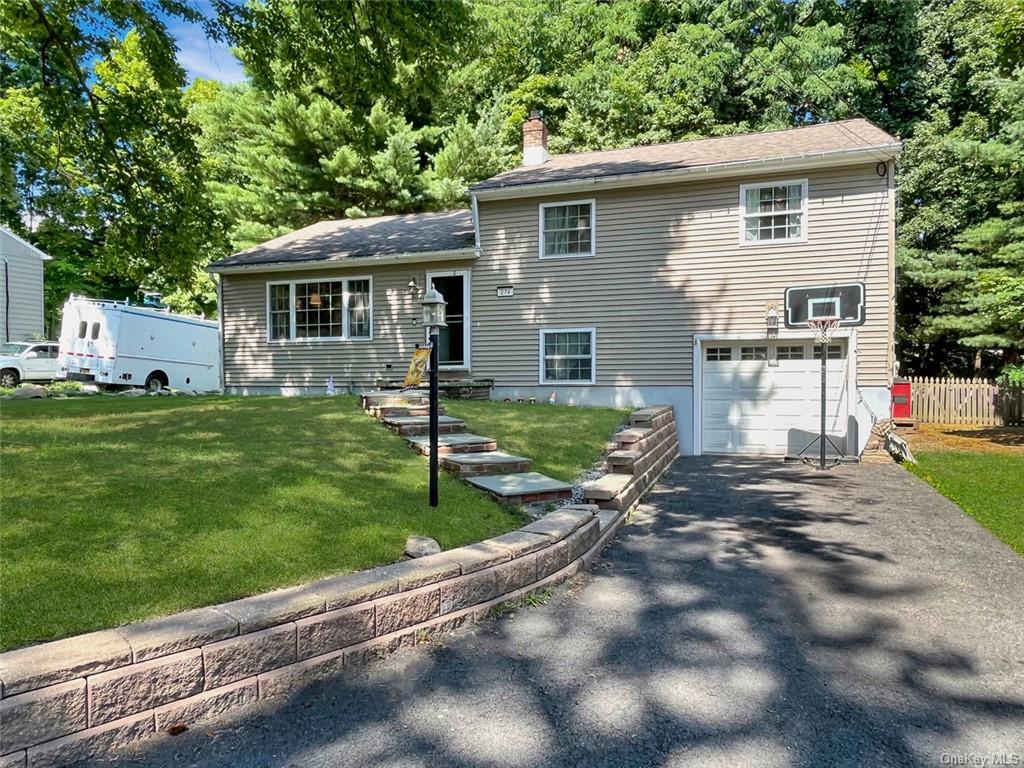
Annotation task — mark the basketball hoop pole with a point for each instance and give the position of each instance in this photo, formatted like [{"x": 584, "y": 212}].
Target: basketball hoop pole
[
  {"x": 824, "y": 404},
  {"x": 823, "y": 328}
]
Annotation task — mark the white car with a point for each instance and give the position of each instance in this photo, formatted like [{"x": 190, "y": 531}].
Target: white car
[{"x": 27, "y": 361}]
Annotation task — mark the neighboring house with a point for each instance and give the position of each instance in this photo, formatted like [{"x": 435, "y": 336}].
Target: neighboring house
[
  {"x": 21, "y": 288},
  {"x": 625, "y": 277}
]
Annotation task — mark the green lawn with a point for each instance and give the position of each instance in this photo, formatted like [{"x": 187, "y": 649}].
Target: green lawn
[
  {"x": 987, "y": 486},
  {"x": 559, "y": 438},
  {"x": 116, "y": 509}
]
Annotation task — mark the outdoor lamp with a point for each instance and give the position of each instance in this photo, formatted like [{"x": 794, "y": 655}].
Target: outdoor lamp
[
  {"x": 433, "y": 309},
  {"x": 433, "y": 317},
  {"x": 771, "y": 319}
]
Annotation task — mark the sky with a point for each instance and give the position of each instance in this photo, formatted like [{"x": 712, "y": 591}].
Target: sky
[{"x": 200, "y": 56}]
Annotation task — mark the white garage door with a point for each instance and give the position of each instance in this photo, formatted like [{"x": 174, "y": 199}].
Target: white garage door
[{"x": 760, "y": 398}]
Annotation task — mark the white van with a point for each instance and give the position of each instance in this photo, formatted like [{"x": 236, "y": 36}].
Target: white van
[{"x": 115, "y": 344}]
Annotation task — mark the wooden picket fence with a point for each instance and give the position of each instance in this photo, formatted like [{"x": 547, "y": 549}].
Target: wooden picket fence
[{"x": 966, "y": 401}]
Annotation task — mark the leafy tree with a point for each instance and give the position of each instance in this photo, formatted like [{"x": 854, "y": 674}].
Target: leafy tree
[
  {"x": 957, "y": 195},
  {"x": 278, "y": 162},
  {"x": 355, "y": 53},
  {"x": 100, "y": 161}
]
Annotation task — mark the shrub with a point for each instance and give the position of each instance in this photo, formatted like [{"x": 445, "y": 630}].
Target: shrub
[
  {"x": 64, "y": 387},
  {"x": 1011, "y": 375}
]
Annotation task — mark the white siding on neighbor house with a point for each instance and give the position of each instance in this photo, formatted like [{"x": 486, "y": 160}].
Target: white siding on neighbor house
[
  {"x": 252, "y": 363},
  {"x": 21, "y": 279},
  {"x": 668, "y": 264}
]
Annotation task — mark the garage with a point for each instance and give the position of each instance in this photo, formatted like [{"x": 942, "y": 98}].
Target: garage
[{"x": 763, "y": 398}]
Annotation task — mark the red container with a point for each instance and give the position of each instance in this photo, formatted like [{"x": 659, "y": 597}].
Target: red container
[{"x": 901, "y": 399}]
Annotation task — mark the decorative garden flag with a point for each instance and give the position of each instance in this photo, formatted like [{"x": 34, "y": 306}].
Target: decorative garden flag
[{"x": 417, "y": 366}]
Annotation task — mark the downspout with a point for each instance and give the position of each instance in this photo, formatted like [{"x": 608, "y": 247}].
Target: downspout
[
  {"x": 220, "y": 330},
  {"x": 7, "y": 301}
]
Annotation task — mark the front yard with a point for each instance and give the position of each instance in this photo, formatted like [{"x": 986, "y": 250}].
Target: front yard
[
  {"x": 982, "y": 470},
  {"x": 117, "y": 509}
]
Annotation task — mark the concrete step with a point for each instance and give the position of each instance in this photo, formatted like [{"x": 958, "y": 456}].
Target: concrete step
[
  {"x": 484, "y": 463},
  {"x": 410, "y": 426},
  {"x": 522, "y": 487},
  {"x": 456, "y": 442},
  {"x": 606, "y": 487},
  {"x": 652, "y": 417}
]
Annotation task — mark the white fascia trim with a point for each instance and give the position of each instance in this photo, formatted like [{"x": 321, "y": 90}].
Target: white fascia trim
[
  {"x": 26, "y": 243},
  {"x": 803, "y": 162},
  {"x": 353, "y": 263}
]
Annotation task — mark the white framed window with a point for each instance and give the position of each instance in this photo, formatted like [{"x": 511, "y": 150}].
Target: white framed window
[
  {"x": 835, "y": 351},
  {"x": 775, "y": 212},
  {"x": 568, "y": 355},
  {"x": 790, "y": 352},
  {"x": 339, "y": 309},
  {"x": 567, "y": 229},
  {"x": 717, "y": 354},
  {"x": 753, "y": 353}
]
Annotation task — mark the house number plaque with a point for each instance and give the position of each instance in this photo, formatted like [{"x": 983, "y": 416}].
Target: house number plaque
[{"x": 505, "y": 290}]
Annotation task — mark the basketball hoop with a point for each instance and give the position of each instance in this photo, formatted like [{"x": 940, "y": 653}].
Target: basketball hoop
[{"x": 823, "y": 328}]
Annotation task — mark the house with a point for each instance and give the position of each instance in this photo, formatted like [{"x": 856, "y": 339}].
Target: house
[
  {"x": 679, "y": 273},
  {"x": 21, "y": 288}
]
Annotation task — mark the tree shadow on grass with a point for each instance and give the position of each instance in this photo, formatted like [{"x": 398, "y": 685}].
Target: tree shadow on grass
[{"x": 754, "y": 614}]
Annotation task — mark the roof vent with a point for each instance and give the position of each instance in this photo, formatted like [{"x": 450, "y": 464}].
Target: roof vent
[{"x": 535, "y": 140}]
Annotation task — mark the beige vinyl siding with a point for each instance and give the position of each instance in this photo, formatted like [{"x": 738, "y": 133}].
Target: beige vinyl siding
[
  {"x": 668, "y": 264},
  {"x": 24, "y": 318},
  {"x": 251, "y": 361}
]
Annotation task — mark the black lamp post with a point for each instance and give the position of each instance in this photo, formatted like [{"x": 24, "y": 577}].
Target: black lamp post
[{"x": 433, "y": 318}]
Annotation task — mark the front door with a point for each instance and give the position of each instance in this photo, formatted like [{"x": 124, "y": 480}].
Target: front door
[{"x": 453, "y": 341}]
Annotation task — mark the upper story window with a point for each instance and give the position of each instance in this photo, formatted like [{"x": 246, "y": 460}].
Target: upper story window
[
  {"x": 322, "y": 309},
  {"x": 567, "y": 229},
  {"x": 773, "y": 213}
]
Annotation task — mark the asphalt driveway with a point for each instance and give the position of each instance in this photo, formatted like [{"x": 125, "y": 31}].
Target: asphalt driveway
[{"x": 754, "y": 614}]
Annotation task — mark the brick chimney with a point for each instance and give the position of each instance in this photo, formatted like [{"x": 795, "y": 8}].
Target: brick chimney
[{"x": 535, "y": 140}]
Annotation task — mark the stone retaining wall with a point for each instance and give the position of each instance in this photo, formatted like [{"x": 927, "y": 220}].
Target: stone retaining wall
[{"x": 86, "y": 696}]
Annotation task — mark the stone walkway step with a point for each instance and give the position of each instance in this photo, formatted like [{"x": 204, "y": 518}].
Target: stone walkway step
[
  {"x": 410, "y": 426},
  {"x": 397, "y": 411},
  {"x": 485, "y": 463},
  {"x": 522, "y": 487},
  {"x": 393, "y": 397},
  {"x": 606, "y": 487},
  {"x": 456, "y": 442}
]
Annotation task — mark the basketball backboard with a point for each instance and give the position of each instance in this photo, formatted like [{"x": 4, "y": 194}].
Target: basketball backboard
[{"x": 841, "y": 300}]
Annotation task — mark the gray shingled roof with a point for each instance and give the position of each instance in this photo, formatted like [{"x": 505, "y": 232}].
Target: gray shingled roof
[
  {"x": 342, "y": 239},
  {"x": 774, "y": 145}
]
